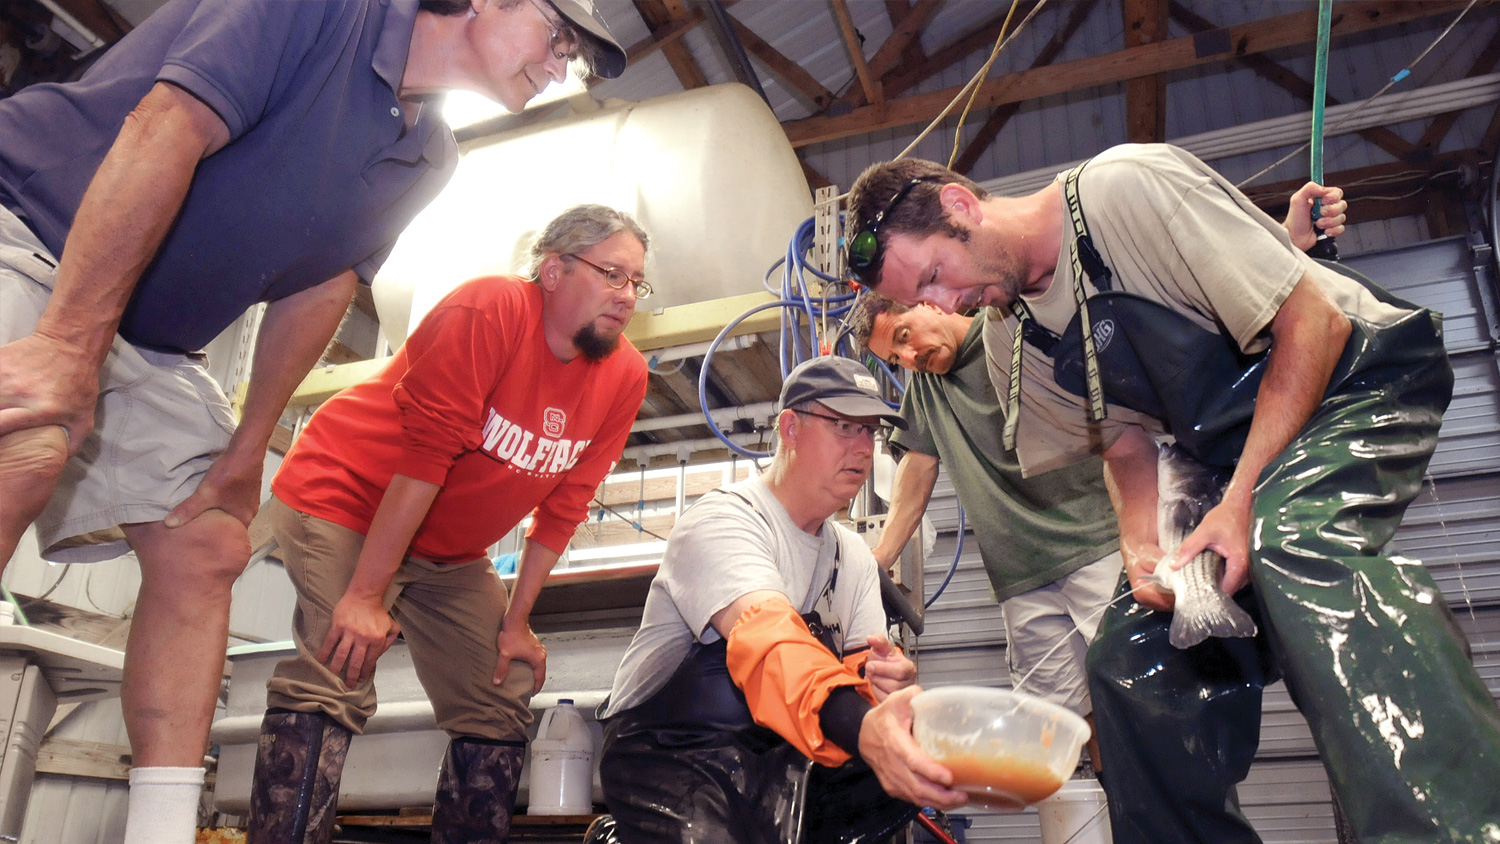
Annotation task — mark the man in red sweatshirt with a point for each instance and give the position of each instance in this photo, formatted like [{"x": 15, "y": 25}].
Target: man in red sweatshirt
[{"x": 513, "y": 397}]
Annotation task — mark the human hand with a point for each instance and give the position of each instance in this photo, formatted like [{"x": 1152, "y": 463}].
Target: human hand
[
  {"x": 362, "y": 630},
  {"x": 229, "y": 485},
  {"x": 887, "y": 668},
  {"x": 1226, "y": 530},
  {"x": 44, "y": 381},
  {"x": 1141, "y": 560},
  {"x": 518, "y": 642},
  {"x": 1299, "y": 222},
  {"x": 31, "y": 461},
  {"x": 905, "y": 772}
]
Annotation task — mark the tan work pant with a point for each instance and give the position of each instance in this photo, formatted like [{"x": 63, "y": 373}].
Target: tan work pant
[{"x": 450, "y": 616}]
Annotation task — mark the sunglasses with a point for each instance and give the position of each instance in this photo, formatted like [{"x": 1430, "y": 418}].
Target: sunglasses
[
  {"x": 863, "y": 252},
  {"x": 616, "y": 278}
]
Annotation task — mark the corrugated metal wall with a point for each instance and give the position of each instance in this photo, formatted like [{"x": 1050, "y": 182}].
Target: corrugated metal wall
[{"x": 1453, "y": 527}]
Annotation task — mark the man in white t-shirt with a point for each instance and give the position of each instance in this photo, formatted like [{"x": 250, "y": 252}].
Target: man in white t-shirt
[
  {"x": 762, "y": 650},
  {"x": 1205, "y": 322}
]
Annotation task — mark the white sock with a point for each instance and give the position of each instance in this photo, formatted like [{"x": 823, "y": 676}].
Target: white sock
[{"x": 163, "y": 805}]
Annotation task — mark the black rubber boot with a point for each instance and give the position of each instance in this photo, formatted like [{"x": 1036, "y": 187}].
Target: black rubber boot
[
  {"x": 297, "y": 769},
  {"x": 476, "y": 791}
]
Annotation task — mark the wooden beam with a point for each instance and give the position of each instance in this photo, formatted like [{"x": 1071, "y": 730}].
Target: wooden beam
[
  {"x": 897, "y": 10},
  {"x": 1002, "y": 114},
  {"x": 789, "y": 71},
  {"x": 660, "y": 38},
  {"x": 1290, "y": 82},
  {"x": 1443, "y": 123},
  {"x": 815, "y": 179},
  {"x": 1145, "y": 97},
  {"x": 907, "y": 22},
  {"x": 701, "y": 321},
  {"x": 983, "y": 38},
  {"x": 657, "y": 16},
  {"x": 90, "y": 759},
  {"x": 867, "y": 83},
  {"x": 1175, "y": 54}
]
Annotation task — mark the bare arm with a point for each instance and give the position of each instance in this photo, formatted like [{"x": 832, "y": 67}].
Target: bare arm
[
  {"x": 362, "y": 629},
  {"x": 1130, "y": 474},
  {"x": 293, "y": 335},
  {"x": 1308, "y": 335},
  {"x": 915, "y": 476},
  {"x": 51, "y": 377},
  {"x": 516, "y": 639}
]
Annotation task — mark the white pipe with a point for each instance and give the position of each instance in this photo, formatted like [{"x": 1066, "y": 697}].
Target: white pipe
[
  {"x": 684, "y": 449},
  {"x": 722, "y": 417},
  {"x": 693, "y": 350},
  {"x": 61, "y": 14},
  {"x": 1295, "y": 129}
]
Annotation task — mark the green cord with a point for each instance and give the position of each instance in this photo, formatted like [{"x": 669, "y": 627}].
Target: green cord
[{"x": 20, "y": 613}]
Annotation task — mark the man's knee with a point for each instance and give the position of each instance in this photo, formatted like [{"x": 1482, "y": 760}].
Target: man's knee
[{"x": 209, "y": 552}]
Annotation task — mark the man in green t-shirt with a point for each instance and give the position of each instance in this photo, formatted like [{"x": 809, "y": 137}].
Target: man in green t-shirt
[{"x": 1050, "y": 544}]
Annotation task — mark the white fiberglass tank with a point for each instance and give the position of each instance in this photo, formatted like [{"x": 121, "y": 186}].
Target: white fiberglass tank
[{"x": 708, "y": 172}]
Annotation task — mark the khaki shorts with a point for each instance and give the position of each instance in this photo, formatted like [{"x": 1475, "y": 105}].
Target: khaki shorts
[
  {"x": 160, "y": 421},
  {"x": 1066, "y": 610},
  {"x": 450, "y": 616}
]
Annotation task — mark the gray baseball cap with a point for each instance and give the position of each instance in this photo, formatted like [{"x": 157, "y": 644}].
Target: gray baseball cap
[
  {"x": 583, "y": 14},
  {"x": 842, "y": 385}
]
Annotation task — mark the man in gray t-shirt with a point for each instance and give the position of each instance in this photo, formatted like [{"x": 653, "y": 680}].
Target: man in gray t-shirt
[{"x": 762, "y": 650}]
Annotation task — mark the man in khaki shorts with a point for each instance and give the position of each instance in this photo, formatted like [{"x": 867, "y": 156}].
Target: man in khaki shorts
[
  {"x": 513, "y": 397},
  {"x": 224, "y": 153}
]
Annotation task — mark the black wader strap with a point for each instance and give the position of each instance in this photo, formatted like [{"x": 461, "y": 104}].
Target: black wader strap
[{"x": 1086, "y": 264}]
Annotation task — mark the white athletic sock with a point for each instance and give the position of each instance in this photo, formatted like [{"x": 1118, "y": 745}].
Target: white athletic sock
[{"x": 163, "y": 805}]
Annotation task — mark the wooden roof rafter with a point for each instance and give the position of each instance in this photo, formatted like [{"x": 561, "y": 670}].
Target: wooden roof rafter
[
  {"x": 1173, "y": 54},
  {"x": 1290, "y": 82},
  {"x": 662, "y": 14},
  {"x": 1002, "y": 114}
]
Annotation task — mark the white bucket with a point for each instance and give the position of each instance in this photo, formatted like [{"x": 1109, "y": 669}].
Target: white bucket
[
  {"x": 562, "y": 763},
  {"x": 1076, "y": 814}
]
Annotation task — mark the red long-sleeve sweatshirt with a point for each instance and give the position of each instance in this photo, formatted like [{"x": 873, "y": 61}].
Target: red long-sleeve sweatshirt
[{"x": 476, "y": 402}]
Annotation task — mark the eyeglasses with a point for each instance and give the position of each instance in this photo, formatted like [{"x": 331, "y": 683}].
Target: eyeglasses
[
  {"x": 845, "y": 429},
  {"x": 616, "y": 278},
  {"x": 564, "y": 39},
  {"x": 863, "y": 252}
]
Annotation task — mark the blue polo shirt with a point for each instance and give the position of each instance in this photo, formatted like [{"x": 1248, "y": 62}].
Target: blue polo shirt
[{"x": 320, "y": 174}]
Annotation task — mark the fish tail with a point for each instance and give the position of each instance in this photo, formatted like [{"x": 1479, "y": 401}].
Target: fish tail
[{"x": 1213, "y": 615}]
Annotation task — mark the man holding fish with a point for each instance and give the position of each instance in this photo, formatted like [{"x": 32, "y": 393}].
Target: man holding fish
[{"x": 1142, "y": 295}]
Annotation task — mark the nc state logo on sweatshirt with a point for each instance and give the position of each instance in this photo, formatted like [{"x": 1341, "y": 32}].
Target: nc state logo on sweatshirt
[
  {"x": 548, "y": 454},
  {"x": 553, "y": 422}
]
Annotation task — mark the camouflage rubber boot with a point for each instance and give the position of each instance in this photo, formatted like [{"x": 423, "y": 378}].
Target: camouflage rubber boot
[
  {"x": 477, "y": 792},
  {"x": 297, "y": 769},
  {"x": 602, "y": 831}
]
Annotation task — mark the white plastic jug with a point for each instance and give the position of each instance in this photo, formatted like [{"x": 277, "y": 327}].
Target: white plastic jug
[
  {"x": 1076, "y": 814},
  {"x": 562, "y": 763}
]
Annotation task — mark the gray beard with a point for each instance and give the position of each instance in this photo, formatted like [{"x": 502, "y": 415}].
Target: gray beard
[{"x": 593, "y": 346}]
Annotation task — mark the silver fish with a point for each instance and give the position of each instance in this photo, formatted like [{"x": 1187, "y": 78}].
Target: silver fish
[{"x": 1186, "y": 491}]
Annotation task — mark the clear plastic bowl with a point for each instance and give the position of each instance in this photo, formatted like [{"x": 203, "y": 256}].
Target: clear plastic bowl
[{"x": 1006, "y": 749}]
